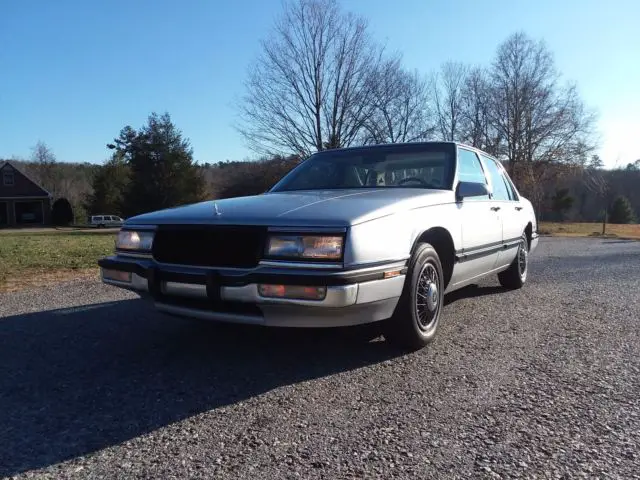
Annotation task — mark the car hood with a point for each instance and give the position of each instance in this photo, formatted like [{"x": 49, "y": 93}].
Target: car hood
[{"x": 332, "y": 208}]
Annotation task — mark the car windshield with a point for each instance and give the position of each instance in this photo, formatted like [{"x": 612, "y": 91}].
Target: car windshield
[{"x": 419, "y": 165}]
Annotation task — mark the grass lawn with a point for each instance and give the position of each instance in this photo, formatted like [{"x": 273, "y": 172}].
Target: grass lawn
[
  {"x": 589, "y": 229},
  {"x": 34, "y": 258},
  {"x": 41, "y": 257}
]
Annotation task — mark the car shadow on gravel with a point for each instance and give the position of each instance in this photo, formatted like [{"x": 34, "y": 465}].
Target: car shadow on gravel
[
  {"x": 473, "y": 291},
  {"x": 78, "y": 380}
]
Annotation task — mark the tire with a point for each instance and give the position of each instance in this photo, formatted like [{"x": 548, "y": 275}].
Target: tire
[
  {"x": 405, "y": 329},
  {"x": 516, "y": 275}
]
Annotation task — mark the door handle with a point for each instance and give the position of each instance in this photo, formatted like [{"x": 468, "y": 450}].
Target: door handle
[
  {"x": 495, "y": 209},
  {"x": 518, "y": 208}
]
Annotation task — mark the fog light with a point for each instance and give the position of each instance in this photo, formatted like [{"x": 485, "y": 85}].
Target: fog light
[
  {"x": 116, "y": 275},
  {"x": 292, "y": 291}
]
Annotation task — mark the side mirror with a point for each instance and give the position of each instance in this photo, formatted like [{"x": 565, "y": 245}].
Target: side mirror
[{"x": 470, "y": 189}]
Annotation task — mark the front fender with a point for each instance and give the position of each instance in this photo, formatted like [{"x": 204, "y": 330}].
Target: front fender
[{"x": 392, "y": 237}]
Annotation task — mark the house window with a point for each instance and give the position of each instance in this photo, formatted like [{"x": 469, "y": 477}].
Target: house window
[{"x": 7, "y": 179}]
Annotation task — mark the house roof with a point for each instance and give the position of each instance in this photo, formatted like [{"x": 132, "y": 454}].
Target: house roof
[{"x": 6, "y": 163}]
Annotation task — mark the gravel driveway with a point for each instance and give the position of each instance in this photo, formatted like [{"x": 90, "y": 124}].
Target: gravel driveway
[{"x": 543, "y": 382}]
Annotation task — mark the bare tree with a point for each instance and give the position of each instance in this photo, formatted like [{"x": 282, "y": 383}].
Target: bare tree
[
  {"x": 401, "y": 106},
  {"x": 448, "y": 85},
  {"x": 475, "y": 121},
  {"x": 45, "y": 166},
  {"x": 538, "y": 119},
  {"x": 311, "y": 87}
]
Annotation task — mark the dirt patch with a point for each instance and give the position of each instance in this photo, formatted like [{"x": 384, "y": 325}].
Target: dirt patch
[{"x": 35, "y": 278}]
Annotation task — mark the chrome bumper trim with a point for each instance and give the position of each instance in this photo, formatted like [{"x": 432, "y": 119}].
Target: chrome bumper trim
[
  {"x": 337, "y": 296},
  {"x": 341, "y": 296}
]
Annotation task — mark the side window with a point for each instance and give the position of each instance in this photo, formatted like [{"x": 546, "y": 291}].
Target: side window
[
  {"x": 510, "y": 186},
  {"x": 511, "y": 189},
  {"x": 501, "y": 191},
  {"x": 470, "y": 170}
]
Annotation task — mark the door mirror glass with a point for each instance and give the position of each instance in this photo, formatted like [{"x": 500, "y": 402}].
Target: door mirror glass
[{"x": 470, "y": 189}]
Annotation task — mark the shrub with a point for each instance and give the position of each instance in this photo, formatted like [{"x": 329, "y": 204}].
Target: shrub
[{"x": 61, "y": 212}]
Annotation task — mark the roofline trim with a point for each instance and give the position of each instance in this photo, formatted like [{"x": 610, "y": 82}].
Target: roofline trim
[{"x": 6, "y": 162}]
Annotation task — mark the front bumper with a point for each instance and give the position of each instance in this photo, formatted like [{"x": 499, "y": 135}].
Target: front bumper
[
  {"x": 353, "y": 296},
  {"x": 535, "y": 238}
]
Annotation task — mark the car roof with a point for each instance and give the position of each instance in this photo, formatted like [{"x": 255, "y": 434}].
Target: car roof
[
  {"x": 387, "y": 145},
  {"x": 413, "y": 144}
]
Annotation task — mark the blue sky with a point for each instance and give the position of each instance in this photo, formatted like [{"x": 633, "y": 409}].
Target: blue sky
[{"x": 73, "y": 73}]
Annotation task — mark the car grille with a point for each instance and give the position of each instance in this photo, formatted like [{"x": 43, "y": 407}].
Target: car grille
[{"x": 209, "y": 245}]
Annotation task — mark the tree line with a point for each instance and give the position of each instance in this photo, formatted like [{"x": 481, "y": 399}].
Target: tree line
[
  {"x": 102, "y": 189},
  {"x": 322, "y": 81}
]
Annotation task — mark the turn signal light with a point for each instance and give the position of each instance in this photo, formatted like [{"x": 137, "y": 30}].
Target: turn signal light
[
  {"x": 394, "y": 273},
  {"x": 292, "y": 291}
]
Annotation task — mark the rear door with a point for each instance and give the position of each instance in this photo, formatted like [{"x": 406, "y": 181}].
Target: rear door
[
  {"x": 481, "y": 224},
  {"x": 507, "y": 201}
]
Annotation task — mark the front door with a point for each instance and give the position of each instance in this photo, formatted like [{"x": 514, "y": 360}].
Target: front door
[{"x": 481, "y": 225}]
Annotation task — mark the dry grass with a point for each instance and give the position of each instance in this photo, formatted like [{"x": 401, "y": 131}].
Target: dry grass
[
  {"x": 29, "y": 258},
  {"x": 631, "y": 231}
]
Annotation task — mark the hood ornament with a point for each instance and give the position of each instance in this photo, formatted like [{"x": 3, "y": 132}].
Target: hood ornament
[{"x": 215, "y": 209}]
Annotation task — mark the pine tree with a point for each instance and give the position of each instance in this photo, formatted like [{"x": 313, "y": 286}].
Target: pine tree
[
  {"x": 110, "y": 187},
  {"x": 621, "y": 211},
  {"x": 163, "y": 174}
]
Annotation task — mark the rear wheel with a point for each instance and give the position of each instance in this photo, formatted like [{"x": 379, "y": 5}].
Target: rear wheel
[
  {"x": 415, "y": 321},
  {"x": 516, "y": 275}
]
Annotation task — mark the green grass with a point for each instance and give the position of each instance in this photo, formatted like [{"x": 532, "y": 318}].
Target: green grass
[{"x": 27, "y": 257}]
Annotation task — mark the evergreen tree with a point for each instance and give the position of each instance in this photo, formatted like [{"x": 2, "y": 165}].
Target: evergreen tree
[
  {"x": 163, "y": 174},
  {"x": 562, "y": 202},
  {"x": 110, "y": 186},
  {"x": 621, "y": 211}
]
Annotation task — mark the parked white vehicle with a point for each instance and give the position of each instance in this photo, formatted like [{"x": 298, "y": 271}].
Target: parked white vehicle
[
  {"x": 349, "y": 236},
  {"x": 102, "y": 221}
]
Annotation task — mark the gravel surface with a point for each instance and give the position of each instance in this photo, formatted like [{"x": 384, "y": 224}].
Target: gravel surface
[{"x": 538, "y": 383}]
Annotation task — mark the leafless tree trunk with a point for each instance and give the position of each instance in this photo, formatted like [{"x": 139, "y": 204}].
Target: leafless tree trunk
[
  {"x": 595, "y": 181},
  {"x": 448, "y": 85},
  {"x": 311, "y": 86},
  {"x": 401, "y": 106}
]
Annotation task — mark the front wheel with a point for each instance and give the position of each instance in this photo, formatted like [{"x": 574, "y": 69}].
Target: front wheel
[
  {"x": 516, "y": 275},
  {"x": 415, "y": 321}
]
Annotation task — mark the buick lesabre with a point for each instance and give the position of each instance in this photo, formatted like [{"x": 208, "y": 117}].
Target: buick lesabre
[{"x": 349, "y": 236}]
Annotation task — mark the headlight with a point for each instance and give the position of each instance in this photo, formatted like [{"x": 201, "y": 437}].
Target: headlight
[
  {"x": 133, "y": 240},
  {"x": 305, "y": 247}
]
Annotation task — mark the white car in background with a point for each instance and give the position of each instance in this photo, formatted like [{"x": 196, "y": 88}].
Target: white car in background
[
  {"x": 350, "y": 236},
  {"x": 105, "y": 221}
]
